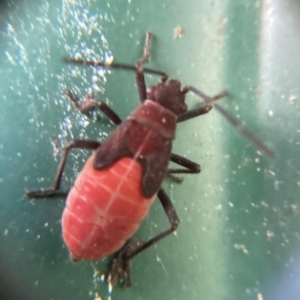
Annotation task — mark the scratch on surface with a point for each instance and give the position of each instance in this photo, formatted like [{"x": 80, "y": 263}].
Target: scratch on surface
[
  {"x": 241, "y": 247},
  {"x": 163, "y": 266}
]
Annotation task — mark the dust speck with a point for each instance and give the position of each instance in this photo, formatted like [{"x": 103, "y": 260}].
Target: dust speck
[
  {"x": 178, "y": 32},
  {"x": 241, "y": 247}
]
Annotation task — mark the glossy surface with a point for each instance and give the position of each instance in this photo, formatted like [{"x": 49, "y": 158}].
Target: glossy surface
[
  {"x": 239, "y": 230},
  {"x": 104, "y": 209}
]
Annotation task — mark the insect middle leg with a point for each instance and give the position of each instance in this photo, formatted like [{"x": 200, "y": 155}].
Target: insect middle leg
[
  {"x": 190, "y": 167},
  {"x": 74, "y": 144}
]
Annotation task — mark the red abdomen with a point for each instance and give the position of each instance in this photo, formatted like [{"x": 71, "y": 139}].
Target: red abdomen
[{"x": 104, "y": 208}]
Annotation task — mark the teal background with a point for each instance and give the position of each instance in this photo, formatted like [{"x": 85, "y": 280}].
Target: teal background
[{"x": 239, "y": 232}]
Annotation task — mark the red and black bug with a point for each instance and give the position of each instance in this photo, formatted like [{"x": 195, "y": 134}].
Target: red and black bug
[{"x": 120, "y": 181}]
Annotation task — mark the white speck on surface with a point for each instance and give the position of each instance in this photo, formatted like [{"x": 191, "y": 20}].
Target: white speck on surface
[
  {"x": 294, "y": 208},
  {"x": 97, "y": 297},
  {"x": 110, "y": 286},
  {"x": 178, "y": 32},
  {"x": 269, "y": 234},
  {"x": 259, "y": 296},
  {"x": 276, "y": 184},
  {"x": 96, "y": 273},
  {"x": 78, "y": 56},
  {"x": 292, "y": 99},
  {"x": 10, "y": 58},
  {"x": 241, "y": 247},
  {"x": 109, "y": 59},
  {"x": 10, "y": 29},
  {"x": 163, "y": 266},
  {"x": 272, "y": 173},
  {"x": 270, "y": 112}
]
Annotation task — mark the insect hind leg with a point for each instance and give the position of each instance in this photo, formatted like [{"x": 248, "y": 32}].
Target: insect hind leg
[{"x": 121, "y": 264}]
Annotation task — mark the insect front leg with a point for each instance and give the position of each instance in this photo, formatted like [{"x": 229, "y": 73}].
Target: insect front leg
[
  {"x": 89, "y": 104},
  {"x": 139, "y": 70},
  {"x": 74, "y": 144},
  {"x": 121, "y": 264},
  {"x": 208, "y": 104}
]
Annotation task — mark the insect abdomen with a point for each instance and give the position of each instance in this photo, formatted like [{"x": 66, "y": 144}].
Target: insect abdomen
[{"x": 104, "y": 208}]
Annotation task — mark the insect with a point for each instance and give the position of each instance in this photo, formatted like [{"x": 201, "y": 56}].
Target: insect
[{"x": 123, "y": 177}]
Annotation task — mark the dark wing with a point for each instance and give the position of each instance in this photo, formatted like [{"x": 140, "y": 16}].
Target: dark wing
[
  {"x": 154, "y": 168},
  {"x": 128, "y": 140},
  {"x": 114, "y": 148}
]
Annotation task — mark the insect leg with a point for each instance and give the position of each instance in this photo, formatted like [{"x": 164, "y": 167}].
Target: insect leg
[
  {"x": 133, "y": 248},
  {"x": 146, "y": 55},
  {"x": 120, "y": 266},
  {"x": 89, "y": 104},
  {"x": 139, "y": 71},
  {"x": 79, "y": 144},
  {"x": 190, "y": 167},
  {"x": 138, "y": 68},
  {"x": 173, "y": 219},
  {"x": 208, "y": 104}
]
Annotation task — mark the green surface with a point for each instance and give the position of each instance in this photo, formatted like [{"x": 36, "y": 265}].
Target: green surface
[{"x": 239, "y": 232}]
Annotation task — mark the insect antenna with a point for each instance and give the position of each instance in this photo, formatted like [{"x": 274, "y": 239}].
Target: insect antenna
[
  {"x": 211, "y": 101},
  {"x": 118, "y": 66}
]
